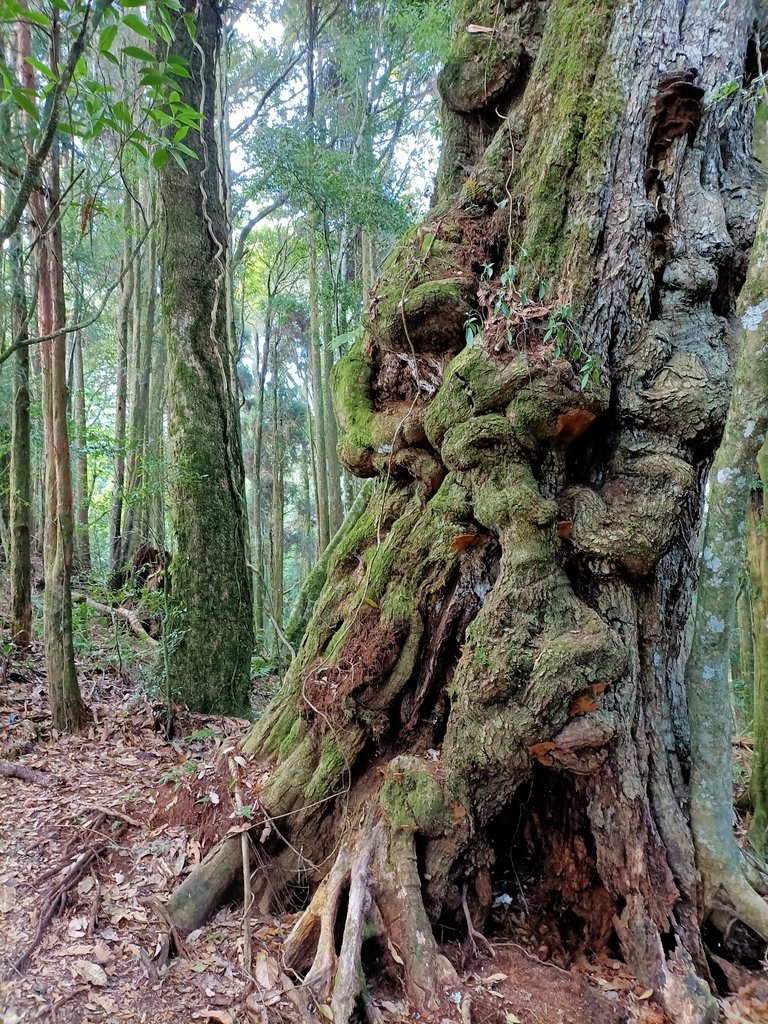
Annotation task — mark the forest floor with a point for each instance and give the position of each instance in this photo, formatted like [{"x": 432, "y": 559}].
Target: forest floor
[{"x": 90, "y": 837}]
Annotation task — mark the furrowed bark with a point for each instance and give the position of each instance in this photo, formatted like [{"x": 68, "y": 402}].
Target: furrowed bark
[
  {"x": 212, "y": 586},
  {"x": 502, "y": 633}
]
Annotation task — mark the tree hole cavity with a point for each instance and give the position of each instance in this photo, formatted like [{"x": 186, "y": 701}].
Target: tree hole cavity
[{"x": 546, "y": 892}]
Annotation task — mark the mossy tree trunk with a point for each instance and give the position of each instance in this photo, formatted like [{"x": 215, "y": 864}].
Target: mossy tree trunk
[
  {"x": 757, "y": 560},
  {"x": 212, "y": 629},
  {"x": 501, "y": 634},
  {"x": 726, "y": 887},
  {"x": 745, "y": 646}
]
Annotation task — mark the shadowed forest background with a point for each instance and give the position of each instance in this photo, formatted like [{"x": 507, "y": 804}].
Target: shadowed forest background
[{"x": 383, "y": 397}]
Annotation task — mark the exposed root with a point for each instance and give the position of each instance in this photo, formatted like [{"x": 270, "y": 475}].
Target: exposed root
[
  {"x": 378, "y": 870},
  {"x": 475, "y": 935},
  {"x": 742, "y": 901}
]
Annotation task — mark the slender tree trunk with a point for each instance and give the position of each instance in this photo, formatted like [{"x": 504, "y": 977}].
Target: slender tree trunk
[
  {"x": 155, "y": 463},
  {"x": 21, "y": 468},
  {"x": 277, "y": 567},
  {"x": 135, "y": 512},
  {"x": 82, "y": 533},
  {"x": 258, "y": 423},
  {"x": 316, "y": 380},
  {"x": 67, "y": 711},
  {"x": 121, "y": 399},
  {"x": 212, "y": 586},
  {"x": 333, "y": 470}
]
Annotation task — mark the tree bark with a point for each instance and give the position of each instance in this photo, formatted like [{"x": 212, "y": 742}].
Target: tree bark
[
  {"x": 136, "y": 511},
  {"x": 277, "y": 567},
  {"x": 757, "y": 560},
  {"x": 212, "y": 587},
  {"x": 82, "y": 531},
  {"x": 67, "y": 710},
  {"x": 258, "y": 429},
  {"x": 21, "y": 467},
  {"x": 333, "y": 470},
  {"x": 316, "y": 381},
  {"x": 121, "y": 400},
  {"x": 499, "y": 646},
  {"x": 718, "y": 857}
]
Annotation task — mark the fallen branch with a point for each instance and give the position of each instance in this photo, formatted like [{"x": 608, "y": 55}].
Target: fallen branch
[
  {"x": 117, "y": 611},
  {"x": 18, "y": 771},
  {"x": 56, "y": 899}
]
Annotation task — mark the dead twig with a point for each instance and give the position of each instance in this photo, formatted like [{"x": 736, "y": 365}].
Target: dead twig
[
  {"x": 117, "y": 611},
  {"x": 56, "y": 899}
]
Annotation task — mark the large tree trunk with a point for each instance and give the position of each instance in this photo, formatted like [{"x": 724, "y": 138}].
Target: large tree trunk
[
  {"x": 757, "y": 560},
  {"x": 500, "y": 642},
  {"x": 212, "y": 591}
]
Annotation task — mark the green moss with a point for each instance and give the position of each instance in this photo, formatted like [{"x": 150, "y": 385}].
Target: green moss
[
  {"x": 412, "y": 799},
  {"x": 398, "y": 605},
  {"x": 331, "y": 765},
  {"x": 566, "y": 142},
  {"x": 352, "y": 377}
]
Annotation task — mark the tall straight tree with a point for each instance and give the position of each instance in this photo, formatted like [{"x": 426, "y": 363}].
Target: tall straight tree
[
  {"x": 67, "y": 709},
  {"x": 21, "y": 469},
  {"x": 212, "y": 588}
]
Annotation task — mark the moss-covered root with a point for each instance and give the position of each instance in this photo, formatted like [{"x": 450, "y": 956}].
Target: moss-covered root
[
  {"x": 202, "y": 891},
  {"x": 377, "y": 867}
]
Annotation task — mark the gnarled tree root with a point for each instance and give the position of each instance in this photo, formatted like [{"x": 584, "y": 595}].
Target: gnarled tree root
[
  {"x": 732, "y": 888},
  {"x": 378, "y": 871}
]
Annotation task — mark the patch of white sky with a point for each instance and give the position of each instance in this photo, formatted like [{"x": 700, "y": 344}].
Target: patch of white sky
[{"x": 416, "y": 156}]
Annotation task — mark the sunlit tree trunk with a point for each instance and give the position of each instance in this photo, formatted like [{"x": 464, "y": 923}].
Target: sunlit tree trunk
[{"x": 212, "y": 586}]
